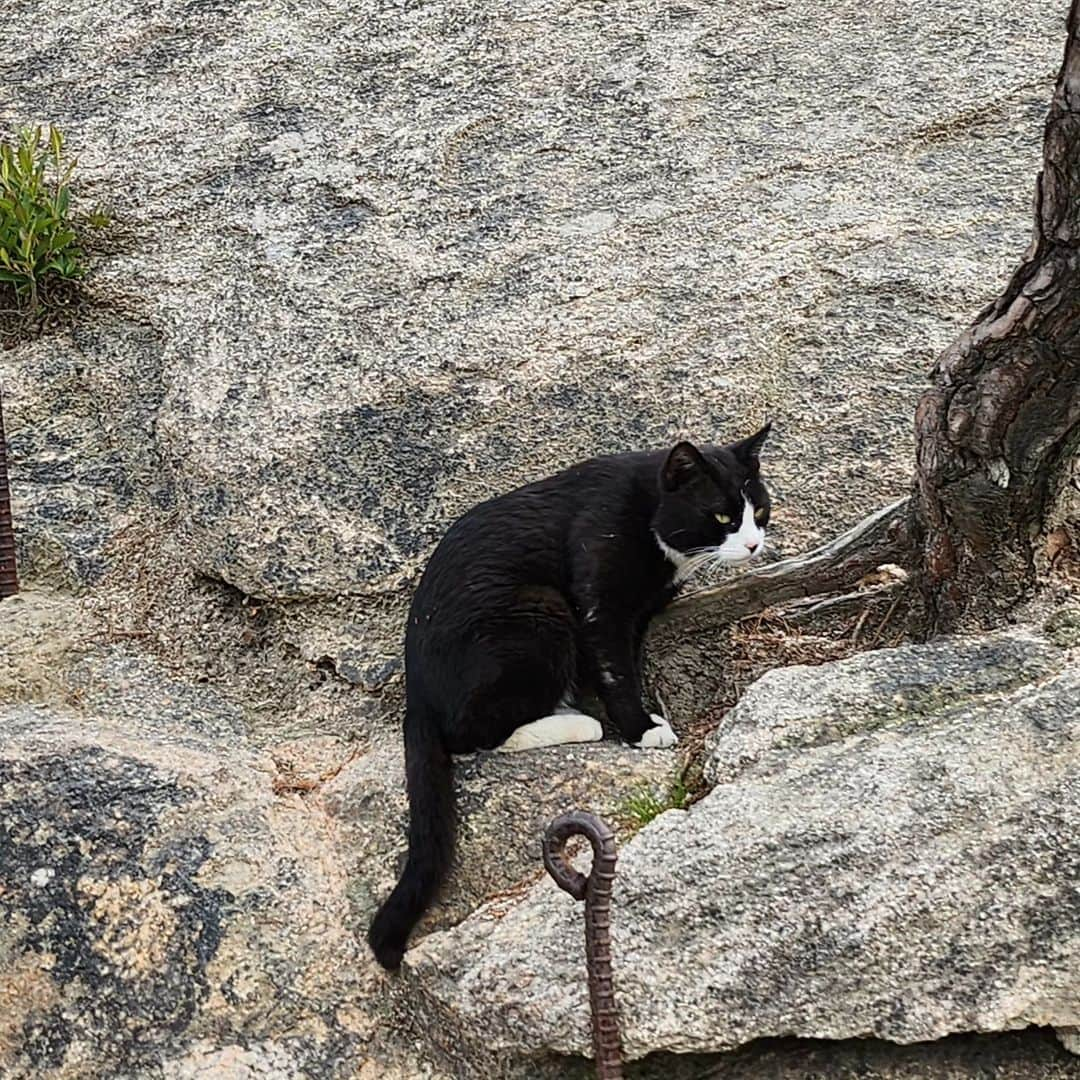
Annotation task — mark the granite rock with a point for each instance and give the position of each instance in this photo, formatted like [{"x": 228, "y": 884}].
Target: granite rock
[
  {"x": 177, "y": 901},
  {"x": 376, "y": 262},
  {"x": 801, "y": 707},
  {"x": 905, "y": 881}
]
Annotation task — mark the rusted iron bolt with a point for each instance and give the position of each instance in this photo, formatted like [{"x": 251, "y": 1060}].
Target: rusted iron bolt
[
  {"x": 595, "y": 890},
  {"x": 9, "y": 581}
]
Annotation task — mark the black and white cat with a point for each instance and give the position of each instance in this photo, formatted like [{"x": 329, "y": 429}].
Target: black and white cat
[{"x": 536, "y": 595}]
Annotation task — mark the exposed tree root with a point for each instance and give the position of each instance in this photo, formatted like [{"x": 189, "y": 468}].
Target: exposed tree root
[{"x": 837, "y": 566}]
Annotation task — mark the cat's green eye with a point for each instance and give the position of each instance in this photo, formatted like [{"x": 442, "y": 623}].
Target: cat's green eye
[
  {"x": 759, "y": 513},
  {"x": 723, "y": 519}
]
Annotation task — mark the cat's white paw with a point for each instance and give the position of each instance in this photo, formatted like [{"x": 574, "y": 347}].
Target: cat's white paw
[
  {"x": 555, "y": 730},
  {"x": 659, "y": 737},
  {"x": 585, "y": 729}
]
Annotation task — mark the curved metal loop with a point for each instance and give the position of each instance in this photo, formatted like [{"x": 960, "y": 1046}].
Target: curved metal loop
[{"x": 597, "y": 832}]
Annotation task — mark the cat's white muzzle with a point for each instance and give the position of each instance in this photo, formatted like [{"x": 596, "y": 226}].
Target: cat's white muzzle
[
  {"x": 734, "y": 556},
  {"x": 747, "y": 542}
]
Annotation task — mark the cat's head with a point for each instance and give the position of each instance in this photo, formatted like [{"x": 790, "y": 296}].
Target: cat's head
[{"x": 713, "y": 504}]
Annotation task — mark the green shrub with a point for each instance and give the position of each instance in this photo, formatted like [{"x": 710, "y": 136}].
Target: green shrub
[{"x": 39, "y": 234}]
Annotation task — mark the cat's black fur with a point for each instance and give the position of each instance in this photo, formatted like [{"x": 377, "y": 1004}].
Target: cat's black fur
[{"x": 529, "y": 597}]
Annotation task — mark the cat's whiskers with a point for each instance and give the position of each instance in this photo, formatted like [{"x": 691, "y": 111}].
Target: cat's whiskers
[{"x": 696, "y": 559}]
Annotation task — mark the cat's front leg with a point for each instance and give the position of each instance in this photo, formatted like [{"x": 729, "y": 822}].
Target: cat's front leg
[{"x": 618, "y": 675}]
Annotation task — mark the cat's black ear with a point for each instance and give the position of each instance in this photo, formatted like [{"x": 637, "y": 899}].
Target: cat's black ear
[
  {"x": 749, "y": 450},
  {"x": 683, "y": 463}
]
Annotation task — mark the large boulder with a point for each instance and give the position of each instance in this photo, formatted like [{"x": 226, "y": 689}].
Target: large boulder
[
  {"x": 178, "y": 900},
  {"x": 375, "y": 263},
  {"x": 901, "y": 862},
  {"x": 158, "y": 895}
]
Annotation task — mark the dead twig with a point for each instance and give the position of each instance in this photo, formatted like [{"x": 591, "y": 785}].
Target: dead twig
[
  {"x": 885, "y": 622},
  {"x": 858, "y": 626}
]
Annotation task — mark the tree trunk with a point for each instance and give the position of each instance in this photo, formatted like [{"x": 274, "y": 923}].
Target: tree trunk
[
  {"x": 999, "y": 430},
  {"x": 9, "y": 583}
]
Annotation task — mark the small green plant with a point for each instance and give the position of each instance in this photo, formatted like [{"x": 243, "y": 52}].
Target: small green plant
[
  {"x": 644, "y": 803},
  {"x": 39, "y": 234}
]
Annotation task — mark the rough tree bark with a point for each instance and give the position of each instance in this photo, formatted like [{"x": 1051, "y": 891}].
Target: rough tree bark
[
  {"x": 9, "y": 584},
  {"x": 998, "y": 432}
]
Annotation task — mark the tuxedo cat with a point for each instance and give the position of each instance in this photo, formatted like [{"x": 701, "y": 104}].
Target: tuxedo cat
[{"x": 535, "y": 595}]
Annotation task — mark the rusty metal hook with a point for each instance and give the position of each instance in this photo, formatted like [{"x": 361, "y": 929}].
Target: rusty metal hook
[
  {"x": 595, "y": 890},
  {"x": 9, "y": 581}
]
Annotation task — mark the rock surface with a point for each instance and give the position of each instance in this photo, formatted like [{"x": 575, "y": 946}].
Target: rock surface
[
  {"x": 903, "y": 879},
  {"x": 156, "y": 892},
  {"x": 800, "y": 708},
  {"x": 177, "y": 901},
  {"x": 897, "y": 858},
  {"x": 359, "y": 244},
  {"x": 371, "y": 264},
  {"x": 506, "y": 801}
]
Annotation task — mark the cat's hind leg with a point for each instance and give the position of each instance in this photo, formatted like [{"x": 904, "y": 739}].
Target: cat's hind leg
[
  {"x": 518, "y": 676},
  {"x": 564, "y": 725}
]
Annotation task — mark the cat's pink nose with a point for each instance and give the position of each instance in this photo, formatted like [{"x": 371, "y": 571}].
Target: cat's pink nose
[{"x": 751, "y": 547}]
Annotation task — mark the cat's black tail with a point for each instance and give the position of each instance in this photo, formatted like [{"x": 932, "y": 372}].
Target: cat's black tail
[{"x": 429, "y": 778}]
